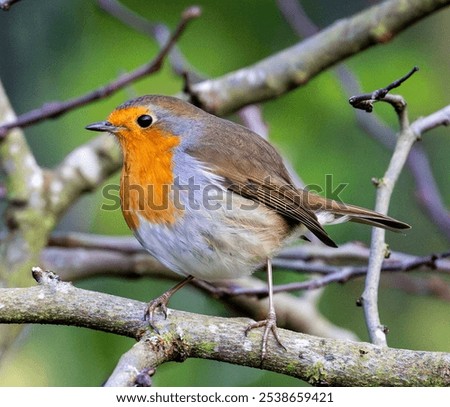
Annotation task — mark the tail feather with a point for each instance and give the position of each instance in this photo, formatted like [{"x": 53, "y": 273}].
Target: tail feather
[
  {"x": 373, "y": 218},
  {"x": 330, "y": 211}
]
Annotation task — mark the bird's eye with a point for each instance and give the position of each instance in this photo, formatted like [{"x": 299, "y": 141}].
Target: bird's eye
[{"x": 144, "y": 121}]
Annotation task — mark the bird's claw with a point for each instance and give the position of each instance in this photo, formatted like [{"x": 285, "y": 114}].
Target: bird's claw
[
  {"x": 158, "y": 303},
  {"x": 270, "y": 325}
]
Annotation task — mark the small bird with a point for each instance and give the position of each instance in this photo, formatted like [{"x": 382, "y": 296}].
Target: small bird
[{"x": 212, "y": 200}]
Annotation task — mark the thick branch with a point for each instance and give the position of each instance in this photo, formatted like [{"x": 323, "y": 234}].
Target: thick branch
[
  {"x": 27, "y": 222},
  {"x": 184, "y": 335},
  {"x": 82, "y": 170}
]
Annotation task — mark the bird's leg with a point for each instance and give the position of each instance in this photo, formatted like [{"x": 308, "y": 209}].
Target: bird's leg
[
  {"x": 269, "y": 324},
  {"x": 161, "y": 302}
]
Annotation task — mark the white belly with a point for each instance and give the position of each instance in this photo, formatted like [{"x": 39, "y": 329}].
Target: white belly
[{"x": 214, "y": 244}]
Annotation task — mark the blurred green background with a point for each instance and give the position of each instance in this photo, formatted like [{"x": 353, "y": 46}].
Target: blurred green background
[{"x": 53, "y": 50}]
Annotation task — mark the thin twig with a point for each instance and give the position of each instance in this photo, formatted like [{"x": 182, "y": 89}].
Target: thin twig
[
  {"x": 406, "y": 139},
  {"x": 427, "y": 191},
  {"x": 366, "y": 100},
  {"x": 334, "y": 274},
  {"x": 157, "y": 31},
  {"x": 124, "y": 256},
  {"x": 408, "y": 135},
  {"x": 55, "y": 109},
  {"x": 3, "y": 191},
  {"x": 436, "y": 119}
]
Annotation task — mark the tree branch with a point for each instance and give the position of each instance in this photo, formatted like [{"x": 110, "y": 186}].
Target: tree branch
[
  {"x": 27, "y": 223},
  {"x": 436, "y": 119},
  {"x": 139, "y": 361},
  {"x": 295, "y": 313},
  {"x": 79, "y": 256},
  {"x": 379, "y": 249},
  {"x": 157, "y": 31},
  {"x": 183, "y": 335},
  {"x": 296, "y": 65},
  {"x": 408, "y": 135},
  {"x": 279, "y": 73},
  {"x": 427, "y": 191},
  {"x": 54, "y": 109},
  {"x": 302, "y": 258},
  {"x": 81, "y": 171}
]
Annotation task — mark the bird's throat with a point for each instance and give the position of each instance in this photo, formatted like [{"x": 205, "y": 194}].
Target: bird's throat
[{"x": 147, "y": 180}]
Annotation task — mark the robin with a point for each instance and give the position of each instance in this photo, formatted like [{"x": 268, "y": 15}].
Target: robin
[{"x": 212, "y": 200}]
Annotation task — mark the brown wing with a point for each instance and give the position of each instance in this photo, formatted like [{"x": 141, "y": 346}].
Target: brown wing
[{"x": 253, "y": 168}]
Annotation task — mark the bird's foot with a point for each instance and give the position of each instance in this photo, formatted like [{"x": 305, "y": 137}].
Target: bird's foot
[
  {"x": 270, "y": 325},
  {"x": 159, "y": 303}
]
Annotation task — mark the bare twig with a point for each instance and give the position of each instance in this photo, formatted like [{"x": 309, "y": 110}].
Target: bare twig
[
  {"x": 334, "y": 274},
  {"x": 436, "y": 119},
  {"x": 432, "y": 286},
  {"x": 3, "y": 191},
  {"x": 406, "y": 139},
  {"x": 427, "y": 191},
  {"x": 122, "y": 244},
  {"x": 158, "y": 31},
  {"x": 408, "y": 135},
  {"x": 366, "y": 101},
  {"x": 55, "y": 109}
]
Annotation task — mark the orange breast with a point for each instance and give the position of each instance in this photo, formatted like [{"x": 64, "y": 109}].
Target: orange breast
[{"x": 147, "y": 178}]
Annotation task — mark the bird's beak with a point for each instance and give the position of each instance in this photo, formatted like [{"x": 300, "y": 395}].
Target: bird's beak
[{"x": 102, "y": 126}]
